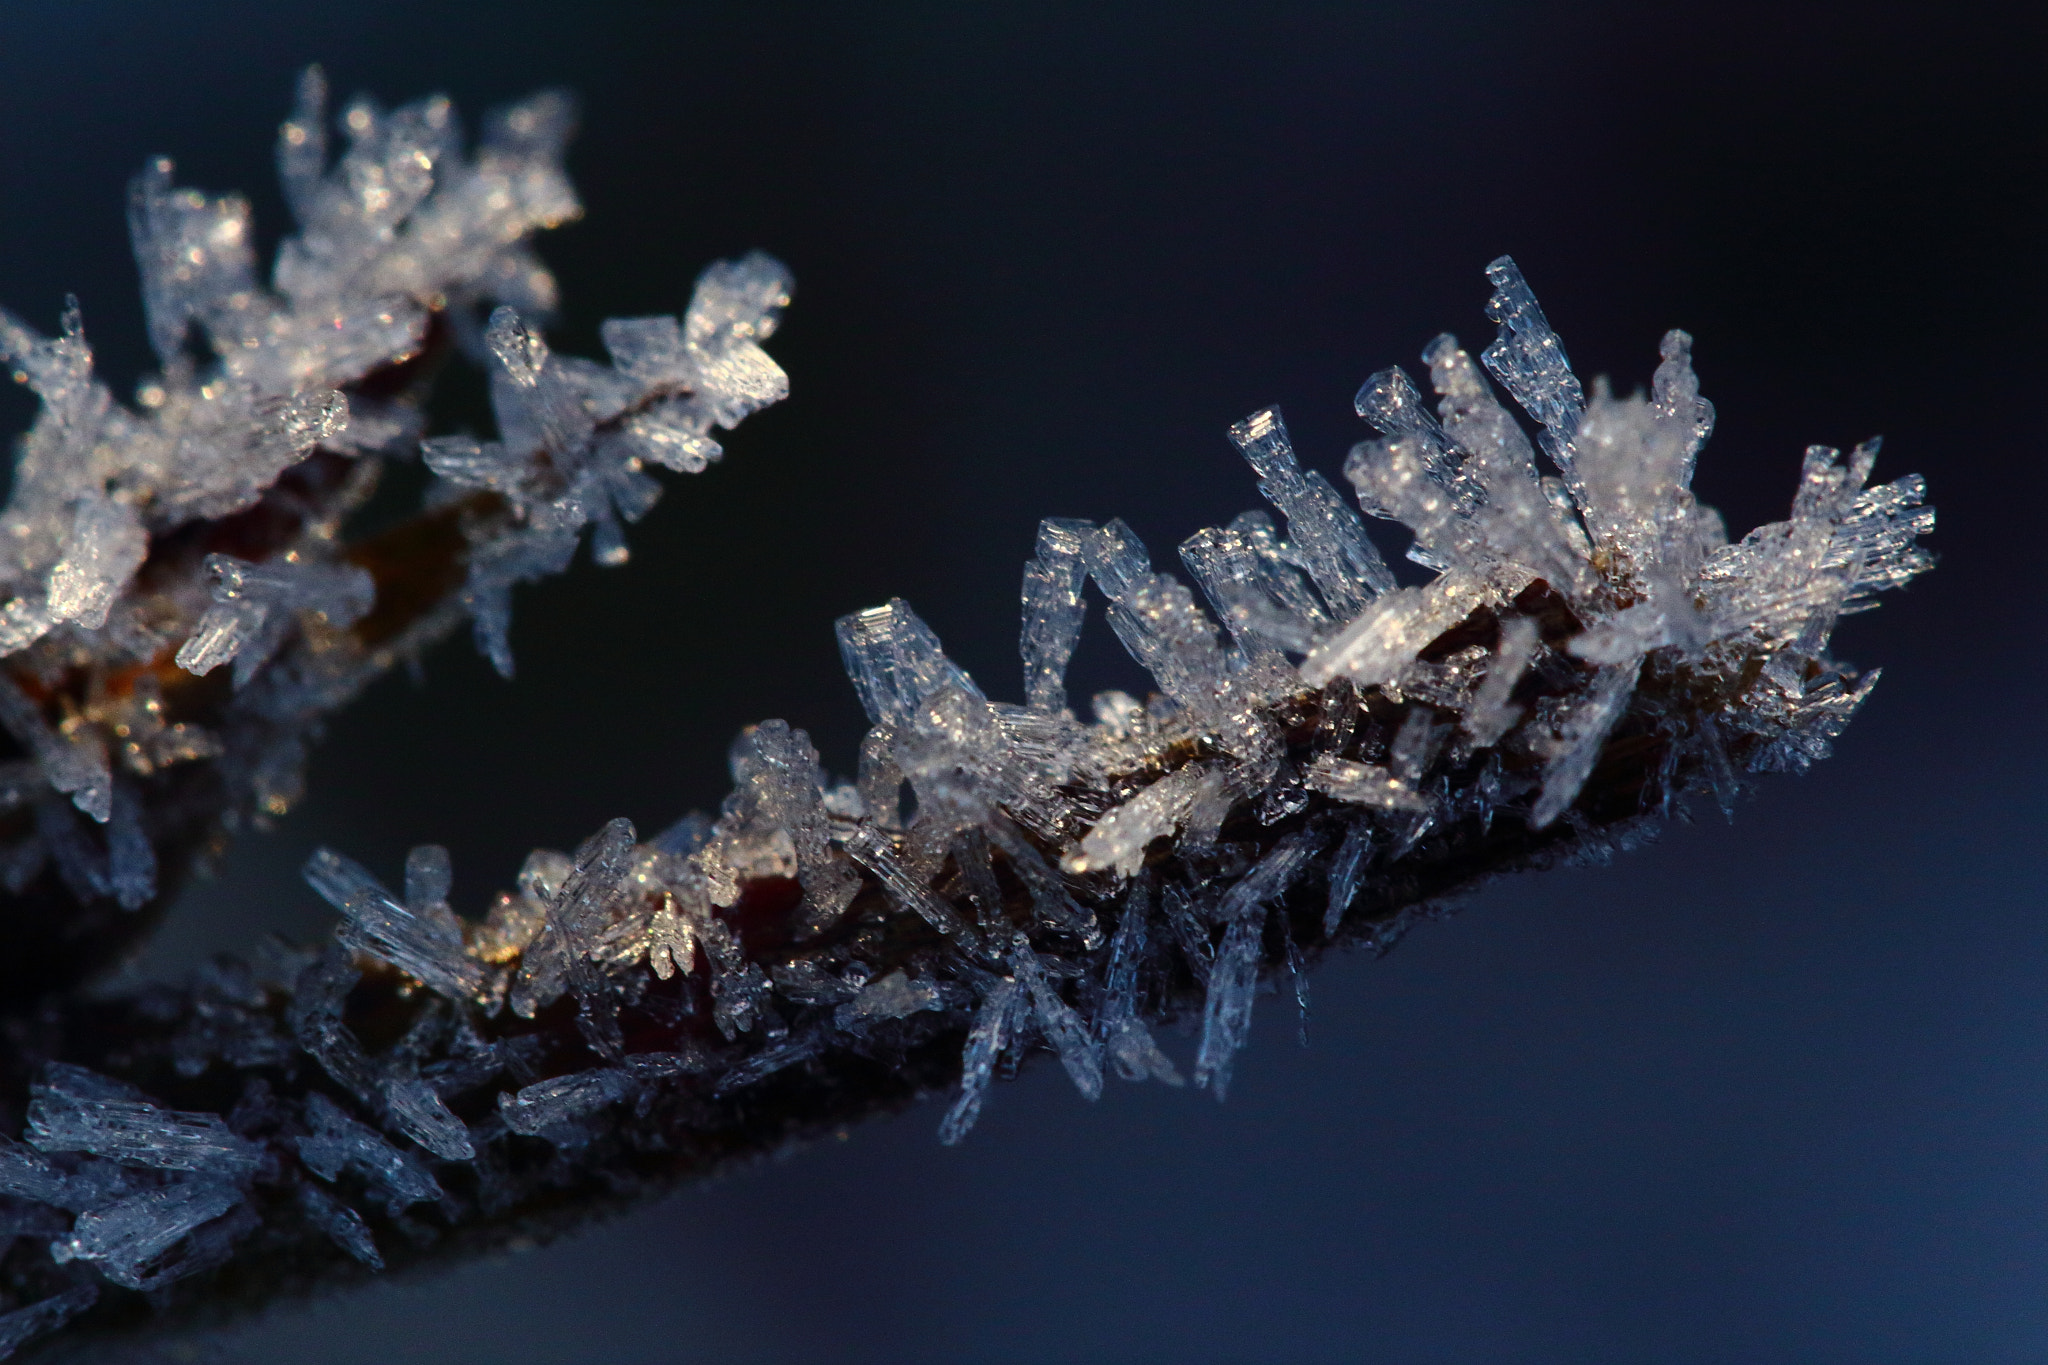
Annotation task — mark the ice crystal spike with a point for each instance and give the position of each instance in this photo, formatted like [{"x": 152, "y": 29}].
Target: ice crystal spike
[
  {"x": 1329, "y": 757},
  {"x": 1052, "y": 609},
  {"x": 203, "y": 526},
  {"x": 128, "y": 1240},
  {"x": 74, "y": 1111},
  {"x": 24, "y": 1325},
  {"x": 426, "y": 947},
  {"x": 1329, "y": 539},
  {"x": 338, "y": 1143},
  {"x": 1529, "y": 360},
  {"x": 896, "y": 662}
]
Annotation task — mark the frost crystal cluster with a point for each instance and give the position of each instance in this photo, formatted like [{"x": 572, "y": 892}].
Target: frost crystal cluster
[
  {"x": 1328, "y": 753},
  {"x": 179, "y": 600}
]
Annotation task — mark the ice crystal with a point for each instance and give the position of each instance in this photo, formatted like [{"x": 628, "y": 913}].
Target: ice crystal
[
  {"x": 128, "y": 1240},
  {"x": 73, "y": 1110},
  {"x": 149, "y": 544},
  {"x": 1327, "y": 755}
]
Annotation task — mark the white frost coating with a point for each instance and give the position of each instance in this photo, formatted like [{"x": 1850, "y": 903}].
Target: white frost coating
[
  {"x": 1375, "y": 647},
  {"x": 1577, "y": 629},
  {"x": 1363, "y": 784},
  {"x": 107, "y": 545},
  {"x": 1119, "y": 839},
  {"x": 1492, "y": 712}
]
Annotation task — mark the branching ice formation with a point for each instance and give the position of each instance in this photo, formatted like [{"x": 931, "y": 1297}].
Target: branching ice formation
[
  {"x": 1329, "y": 755},
  {"x": 145, "y": 547}
]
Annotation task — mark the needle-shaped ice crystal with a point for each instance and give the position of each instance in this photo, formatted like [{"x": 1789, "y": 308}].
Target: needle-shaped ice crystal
[{"x": 73, "y": 1110}]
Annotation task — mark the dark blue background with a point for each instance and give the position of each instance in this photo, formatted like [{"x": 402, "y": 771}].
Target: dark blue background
[{"x": 1770, "y": 1093}]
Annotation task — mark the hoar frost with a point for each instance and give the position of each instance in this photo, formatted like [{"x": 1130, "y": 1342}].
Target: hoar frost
[{"x": 1328, "y": 753}]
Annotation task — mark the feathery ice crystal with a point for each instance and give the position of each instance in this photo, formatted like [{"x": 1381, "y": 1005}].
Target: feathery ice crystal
[
  {"x": 145, "y": 548},
  {"x": 1341, "y": 755}
]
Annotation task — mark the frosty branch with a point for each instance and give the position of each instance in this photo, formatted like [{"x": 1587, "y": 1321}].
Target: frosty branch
[{"x": 1327, "y": 757}]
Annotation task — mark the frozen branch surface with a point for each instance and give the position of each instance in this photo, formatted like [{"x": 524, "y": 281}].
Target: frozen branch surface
[{"x": 1328, "y": 756}]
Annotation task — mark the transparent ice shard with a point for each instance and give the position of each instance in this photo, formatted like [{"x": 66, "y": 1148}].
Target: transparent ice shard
[
  {"x": 1057, "y": 1020},
  {"x": 1233, "y": 979},
  {"x": 75, "y": 765},
  {"x": 73, "y": 1110},
  {"x": 1492, "y": 711},
  {"x": 131, "y": 860},
  {"x": 896, "y": 662},
  {"x": 1363, "y": 784},
  {"x": 777, "y": 776},
  {"x": 316, "y": 1022},
  {"x": 1119, "y": 839},
  {"x": 1126, "y": 1042},
  {"x": 550, "y": 1106},
  {"x": 1251, "y": 579},
  {"x": 807, "y": 983},
  {"x": 1529, "y": 361},
  {"x": 128, "y": 1239},
  {"x": 891, "y": 996},
  {"x": 255, "y": 605},
  {"x": 1053, "y": 609},
  {"x": 44, "y": 1316},
  {"x": 341, "y": 1223},
  {"x": 419, "y": 1113},
  {"x": 425, "y": 946},
  {"x": 1328, "y": 538},
  {"x": 576, "y": 919},
  {"x": 27, "y": 1174},
  {"x": 1156, "y": 618},
  {"x": 995, "y": 1025},
  {"x": 874, "y": 851},
  {"x": 1580, "y": 735},
  {"x": 1347, "y": 873},
  {"x": 798, "y": 1047},
  {"x": 338, "y": 1143}
]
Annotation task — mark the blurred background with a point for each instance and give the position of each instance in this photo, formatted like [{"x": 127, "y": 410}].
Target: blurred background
[{"x": 1775, "y": 1092}]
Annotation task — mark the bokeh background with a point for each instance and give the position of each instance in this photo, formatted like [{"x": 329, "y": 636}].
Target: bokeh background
[{"x": 1775, "y": 1092}]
